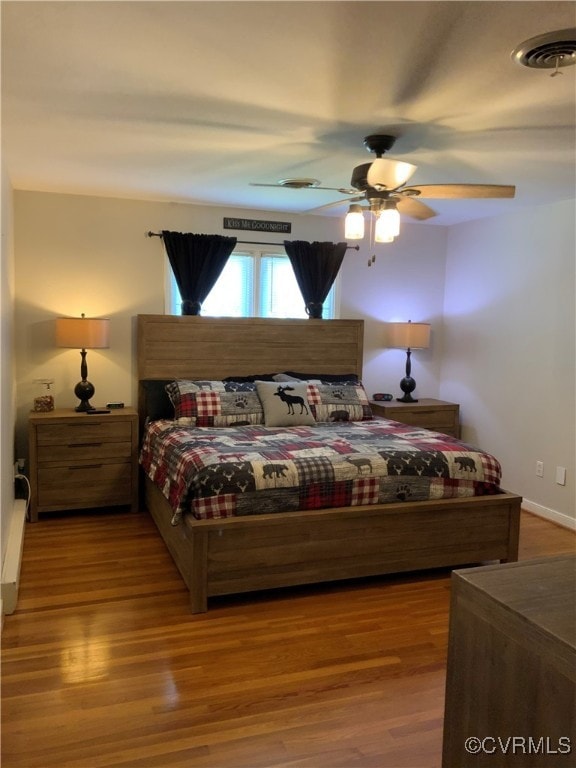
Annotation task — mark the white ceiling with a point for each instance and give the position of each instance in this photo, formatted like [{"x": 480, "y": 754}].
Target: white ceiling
[{"x": 191, "y": 101}]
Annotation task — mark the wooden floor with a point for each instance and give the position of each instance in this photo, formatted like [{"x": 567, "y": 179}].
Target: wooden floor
[{"x": 103, "y": 665}]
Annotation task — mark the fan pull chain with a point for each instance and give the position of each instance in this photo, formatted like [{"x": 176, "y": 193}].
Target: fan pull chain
[
  {"x": 373, "y": 259},
  {"x": 557, "y": 70}
]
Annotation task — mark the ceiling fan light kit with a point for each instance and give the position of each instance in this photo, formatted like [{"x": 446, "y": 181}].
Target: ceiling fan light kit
[{"x": 386, "y": 221}]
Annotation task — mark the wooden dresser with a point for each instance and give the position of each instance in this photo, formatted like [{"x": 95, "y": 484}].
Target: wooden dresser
[
  {"x": 427, "y": 413},
  {"x": 511, "y": 680},
  {"x": 80, "y": 460}
]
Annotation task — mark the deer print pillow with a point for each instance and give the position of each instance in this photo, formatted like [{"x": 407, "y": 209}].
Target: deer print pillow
[{"x": 285, "y": 404}]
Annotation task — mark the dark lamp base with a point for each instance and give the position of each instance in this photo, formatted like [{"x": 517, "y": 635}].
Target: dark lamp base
[
  {"x": 84, "y": 407},
  {"x": 84, "y": 390},
  {"x": 407, "y": 399},
  {"x": 407, "y": 385}
]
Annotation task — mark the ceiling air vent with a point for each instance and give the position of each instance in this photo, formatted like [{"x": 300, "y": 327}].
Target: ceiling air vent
[{"x": 550, "y": 51}]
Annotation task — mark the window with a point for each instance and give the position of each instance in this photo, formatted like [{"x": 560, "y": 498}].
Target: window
[{"x": 254, "y": 284}]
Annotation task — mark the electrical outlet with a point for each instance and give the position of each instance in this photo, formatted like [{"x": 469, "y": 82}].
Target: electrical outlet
[
  {"x": 21, "y": 465},
  {"x": 16, "y": 469},
  {"x": 540, "y": 469}
]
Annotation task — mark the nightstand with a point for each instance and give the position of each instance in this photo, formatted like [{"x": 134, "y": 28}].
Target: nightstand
[
  {"x": 78, "y": 460},
  {"x": 427, "y": 413}
]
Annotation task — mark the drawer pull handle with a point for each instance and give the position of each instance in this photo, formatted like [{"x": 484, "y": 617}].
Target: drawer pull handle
[
  {"x": 84, "y": 445},
  {"x": 86, "y": 466}
]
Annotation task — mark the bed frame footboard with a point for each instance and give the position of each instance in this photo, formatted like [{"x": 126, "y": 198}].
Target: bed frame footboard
[{"x": 244, "y": 554}]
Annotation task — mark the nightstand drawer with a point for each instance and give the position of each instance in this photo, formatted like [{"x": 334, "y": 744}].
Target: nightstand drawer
[
  {"x": 85, "y": 484},
  {"x": 426, "y": 413},
  {"x": 78, "y": 433},
  {"x": 426, "y": 418},
  {"x": 80, "y": 452}
]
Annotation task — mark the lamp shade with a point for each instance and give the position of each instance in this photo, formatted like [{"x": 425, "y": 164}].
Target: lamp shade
[
  {"x": 82, "y": 332},
  {"x": 408, "y": 335}
]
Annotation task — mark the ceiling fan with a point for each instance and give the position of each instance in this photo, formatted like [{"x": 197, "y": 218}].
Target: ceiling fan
[{"x": 382, "y": 184}]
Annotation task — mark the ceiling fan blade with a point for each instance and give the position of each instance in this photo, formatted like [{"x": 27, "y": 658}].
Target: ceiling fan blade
[
  {"x": 260, "y": 184},
  {"x": 454, "y": 191},
  {"x": 343, "y": 190},
  {"x": 357, "y": 199},
  {"x": 410, "y": 206}
]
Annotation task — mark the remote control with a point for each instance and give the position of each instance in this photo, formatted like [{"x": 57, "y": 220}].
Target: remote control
[{"x": 98, "y": 410}]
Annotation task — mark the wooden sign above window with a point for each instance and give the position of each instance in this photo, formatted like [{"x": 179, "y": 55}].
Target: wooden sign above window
[{"x": 257, "y": 225}]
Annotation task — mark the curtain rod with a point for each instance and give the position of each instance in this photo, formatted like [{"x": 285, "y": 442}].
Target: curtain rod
[{"x": 250, "y": 242}]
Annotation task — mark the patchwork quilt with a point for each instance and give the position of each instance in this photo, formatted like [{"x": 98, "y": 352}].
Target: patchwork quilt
[{"x": 248, "y": 470}]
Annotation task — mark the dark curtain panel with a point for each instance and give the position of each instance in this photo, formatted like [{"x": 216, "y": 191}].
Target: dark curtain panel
[
  {"x": 315, "y": 266},
  {"x": 197, "y": 261}
]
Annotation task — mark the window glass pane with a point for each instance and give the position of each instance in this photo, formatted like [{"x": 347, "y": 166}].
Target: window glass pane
[
  {"x": 232, "y": 294},
  {"x": 279, "y": 292}
]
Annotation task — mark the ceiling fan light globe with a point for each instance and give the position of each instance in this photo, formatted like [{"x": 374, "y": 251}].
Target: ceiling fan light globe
[
  {"x": 389, "y": 174},
  {"x": 387, "y": 226},
  {"x": 354, "y": 223},
  {"x": 393, "y": 219}
]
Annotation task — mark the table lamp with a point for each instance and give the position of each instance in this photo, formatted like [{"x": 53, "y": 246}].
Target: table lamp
[
  {"x": 83, "y": 333},
  {"x": 408, "y": 336}
]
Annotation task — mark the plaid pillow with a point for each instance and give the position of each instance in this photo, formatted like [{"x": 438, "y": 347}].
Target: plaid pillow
[
  {"x": 215, "y": 403},
  {"x": 339, "y": 402}
]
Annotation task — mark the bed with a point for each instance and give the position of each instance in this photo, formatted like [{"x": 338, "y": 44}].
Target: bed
[{"x": 230, "y": 554}]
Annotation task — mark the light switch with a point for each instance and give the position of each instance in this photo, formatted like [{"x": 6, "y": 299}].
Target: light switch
[{"x": 561, "y": 475}]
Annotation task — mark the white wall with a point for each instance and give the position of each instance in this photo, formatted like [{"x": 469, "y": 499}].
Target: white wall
[
  {"x": 406, "y": 282},
  {"x": 86, "y": 254},
  {"x": 509, "y": 355},
  {"x": 7, "y": 397}
]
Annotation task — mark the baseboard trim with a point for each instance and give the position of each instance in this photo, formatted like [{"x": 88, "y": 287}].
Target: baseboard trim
[
  {"x": 13, "y": 558},
  {"x": 549, "y": 514}
]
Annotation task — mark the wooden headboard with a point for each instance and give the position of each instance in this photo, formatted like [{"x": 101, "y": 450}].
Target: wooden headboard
[{"x": 193, "y": 347}]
